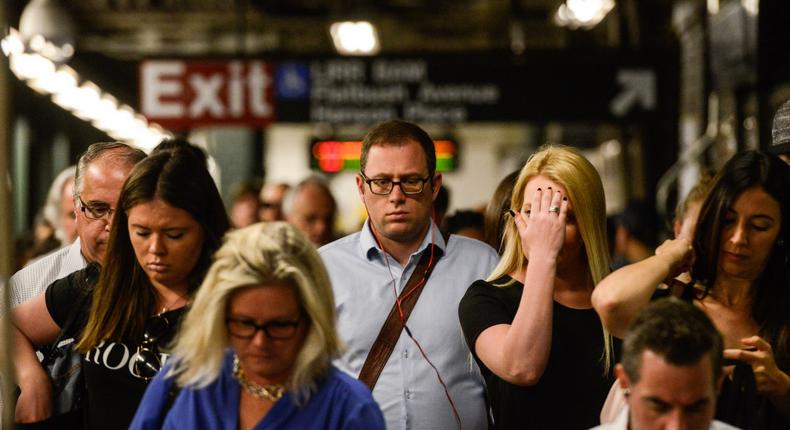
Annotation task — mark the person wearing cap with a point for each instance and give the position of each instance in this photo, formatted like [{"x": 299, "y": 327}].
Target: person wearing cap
[{"x": 780, "y": 133}]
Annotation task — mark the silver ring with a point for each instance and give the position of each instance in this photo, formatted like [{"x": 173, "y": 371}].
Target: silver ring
[{"x": 554, "y": 209}]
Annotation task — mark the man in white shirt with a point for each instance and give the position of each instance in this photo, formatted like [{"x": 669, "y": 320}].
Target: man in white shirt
[
  {"x": 671, "y": 370},
  {"x": 101, "y": 172}
]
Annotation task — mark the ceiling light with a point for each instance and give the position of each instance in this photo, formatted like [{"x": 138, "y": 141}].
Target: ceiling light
[
  {"x": 582, "y": 13},
  {"x": 355, "y": 38},
  {"x": 713, "y": 7},
  {"x": 752, "y": 7},
  {"x": 45, "y": 21},
  {"x": 59, "y": 81}
]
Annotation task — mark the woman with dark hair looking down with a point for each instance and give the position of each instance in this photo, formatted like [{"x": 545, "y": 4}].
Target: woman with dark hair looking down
[
  {"x": 169, "y": 220},
  {"x": 740, "y": 279}
]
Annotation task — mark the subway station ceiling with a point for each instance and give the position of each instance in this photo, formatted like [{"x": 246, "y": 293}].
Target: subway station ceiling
[{"x": 133, "y": 29}]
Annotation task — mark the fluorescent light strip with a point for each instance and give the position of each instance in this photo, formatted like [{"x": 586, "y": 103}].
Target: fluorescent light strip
[{"x": 86, "y": 101}]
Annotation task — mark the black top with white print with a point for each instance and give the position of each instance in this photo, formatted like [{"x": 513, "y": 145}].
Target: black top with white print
[{"x": 113, "y": 388}]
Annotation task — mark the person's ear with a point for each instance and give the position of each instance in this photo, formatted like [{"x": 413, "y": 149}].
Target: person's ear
[
  {"x": 360, "y": 186},
  {"x": 676, "y": 228},
  {"x": 436, "y": 184},
  {"x": 622, "y": 379},
  {"x": 719, "y": 383}
]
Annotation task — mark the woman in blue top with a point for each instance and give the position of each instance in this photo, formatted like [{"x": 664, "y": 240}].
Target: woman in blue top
[{"x": 255, "y": 350}]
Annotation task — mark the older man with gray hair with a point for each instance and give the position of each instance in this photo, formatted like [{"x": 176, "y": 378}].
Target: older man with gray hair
[
  {"x": 100, "y": 174},
  {"x": 311, "y": 208}
]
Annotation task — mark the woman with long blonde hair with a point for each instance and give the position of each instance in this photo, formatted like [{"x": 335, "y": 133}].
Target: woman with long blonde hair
[
  {"x": 541, "y": 347},
  {"x": 255, "y": 350}
]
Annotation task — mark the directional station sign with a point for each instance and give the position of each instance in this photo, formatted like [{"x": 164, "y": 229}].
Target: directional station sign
[
  {"x": 638, "y": 90},
  {"x": 539, "y": 86}
]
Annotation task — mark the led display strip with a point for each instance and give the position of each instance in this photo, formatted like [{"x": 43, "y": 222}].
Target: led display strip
[{"x": 334, "y": 156}]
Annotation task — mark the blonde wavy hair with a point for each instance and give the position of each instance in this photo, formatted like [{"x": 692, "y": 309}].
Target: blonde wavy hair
[
  {"x": 567, "y": 167},
  {"x": 255, "y": 255}
]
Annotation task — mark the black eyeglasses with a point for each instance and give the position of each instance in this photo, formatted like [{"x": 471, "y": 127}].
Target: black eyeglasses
[
  {"x": 246, "y": 329},
  {"x": 384, "y": 186},
  {"x": 146, "y": 361},
  {"x": 95, "y": 210}
]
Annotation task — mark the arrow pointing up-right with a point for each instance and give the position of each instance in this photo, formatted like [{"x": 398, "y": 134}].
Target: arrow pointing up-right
[{"x": 639, "y": 87}]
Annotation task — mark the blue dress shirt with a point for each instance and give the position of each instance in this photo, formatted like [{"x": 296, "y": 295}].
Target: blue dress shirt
[
  {"x": 365, "y": 287},
  {"x": 340, "y": 402}
]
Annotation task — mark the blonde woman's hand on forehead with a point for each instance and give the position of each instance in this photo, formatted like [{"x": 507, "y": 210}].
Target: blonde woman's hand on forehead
[{"x": 541, "y": 224}]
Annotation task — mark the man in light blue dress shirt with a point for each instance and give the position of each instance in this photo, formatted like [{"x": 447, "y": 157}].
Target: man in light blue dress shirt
[{"x": 397, "y": 184}]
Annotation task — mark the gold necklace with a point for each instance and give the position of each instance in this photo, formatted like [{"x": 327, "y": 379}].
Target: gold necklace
[
  {"x": 271, "y": 392},
  {"x": 166, "y": 308}
]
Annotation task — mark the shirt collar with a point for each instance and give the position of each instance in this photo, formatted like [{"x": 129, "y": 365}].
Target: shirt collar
[
  {"x": 74, "y": 259},
  {"x": 369, "y": 248},
  {"x": 621, "y": 422}
]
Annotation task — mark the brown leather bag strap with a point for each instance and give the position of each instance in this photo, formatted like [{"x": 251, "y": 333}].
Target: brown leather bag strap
[{"x": 390, "y": 332}]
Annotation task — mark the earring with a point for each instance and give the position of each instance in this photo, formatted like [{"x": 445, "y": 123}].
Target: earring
[{"x": 627, "y": 392}]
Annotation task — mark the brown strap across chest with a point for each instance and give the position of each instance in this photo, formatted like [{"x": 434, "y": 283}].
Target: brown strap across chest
[{"x": 390, "y": 332}]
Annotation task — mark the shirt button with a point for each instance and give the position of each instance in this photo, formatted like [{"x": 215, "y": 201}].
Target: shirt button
[
  {"x": 406, "y": 354},
  {"x": 407, "y": 393}
]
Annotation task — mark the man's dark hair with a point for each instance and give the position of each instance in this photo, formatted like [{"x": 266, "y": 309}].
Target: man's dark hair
[
  {"x": 641, "y": 220},
  {"x": 397, "y": 132},
  {"x": 675, "y": 330},
  {"x": 463, "y": 219}
]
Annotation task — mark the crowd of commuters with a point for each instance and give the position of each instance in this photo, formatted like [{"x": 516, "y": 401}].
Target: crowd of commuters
[{"x": 181, "y": 316}]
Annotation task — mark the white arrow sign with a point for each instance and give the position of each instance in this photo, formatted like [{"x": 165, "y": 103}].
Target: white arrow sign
[{"x": 639, "y": 87}]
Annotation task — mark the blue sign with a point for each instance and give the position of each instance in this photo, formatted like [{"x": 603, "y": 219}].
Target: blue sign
[{"x": 292, "y": 81}]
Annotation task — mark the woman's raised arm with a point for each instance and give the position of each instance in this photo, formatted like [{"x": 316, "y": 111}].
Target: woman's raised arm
[
  {"x": 519, "y": 352},
  {"x": 620, "y": 296}
]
